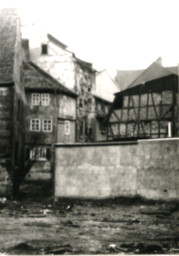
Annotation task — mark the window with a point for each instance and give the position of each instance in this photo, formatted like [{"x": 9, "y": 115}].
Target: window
[
  {"x": 38, "y": 153},
  {"x": 47, "y": 125},
  {"x": 67, "y": 128},
  {"x": 99, "y": 106},
  {"x": 45, "y": 99},
  {"x": 35, "y": 99},
  {"x": 102, "y": 127},
  {"x": 44, "y": 49},
  {"x": 106, "y": 109},
  {"x": 35, "y": 125},
  {"x": 3, "y": 91},
  {"x": 90, "y": 101}
]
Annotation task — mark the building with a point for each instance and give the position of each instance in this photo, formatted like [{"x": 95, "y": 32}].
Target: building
[
  {"x": 53, "y": 57},
  {"x": 12, "y": 100},
  {"x": 85, "y": 79},
  {"x": 102, "y": 108},
  {"x": 148, "y": 108},
  {"x": 105, "y": 87},
  {"x": 125, "y": 77},
  {"x": 49, "y": 118},
  {"x": 103, "y": 92}
]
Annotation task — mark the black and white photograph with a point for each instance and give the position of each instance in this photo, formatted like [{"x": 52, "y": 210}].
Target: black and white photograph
[{"x": 89, "y": 127}]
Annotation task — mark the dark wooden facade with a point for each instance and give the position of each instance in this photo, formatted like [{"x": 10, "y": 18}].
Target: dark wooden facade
[
  {"x": 12, "y": 101},
  {"x": 145, "y": 110}
]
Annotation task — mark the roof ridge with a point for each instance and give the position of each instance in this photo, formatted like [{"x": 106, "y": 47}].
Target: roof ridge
[
  {"x": 145, "y": 71},
  {"x": 127, "y": 70}
]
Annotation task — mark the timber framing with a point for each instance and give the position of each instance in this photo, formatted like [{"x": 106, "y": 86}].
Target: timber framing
[{"x": 144, "y": 111}]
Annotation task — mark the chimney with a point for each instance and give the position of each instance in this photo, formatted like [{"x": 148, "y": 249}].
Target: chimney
[
  {"x": 159, "y": 61},
  {"x": 25, "y": 46}
]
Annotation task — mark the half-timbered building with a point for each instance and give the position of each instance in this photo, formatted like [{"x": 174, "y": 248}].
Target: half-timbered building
[
  {"x": 148, "y": 108},
  {"x": 49, "y": 117}
]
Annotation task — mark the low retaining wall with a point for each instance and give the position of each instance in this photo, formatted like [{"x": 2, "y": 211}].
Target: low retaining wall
[{"x": 148, "y": 168}]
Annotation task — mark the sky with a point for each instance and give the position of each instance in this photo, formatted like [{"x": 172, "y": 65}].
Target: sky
[{"x": 111, "y": 34}]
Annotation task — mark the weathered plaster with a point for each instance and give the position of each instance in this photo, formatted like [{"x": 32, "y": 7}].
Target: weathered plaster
[{"x": 148, "y": 169}]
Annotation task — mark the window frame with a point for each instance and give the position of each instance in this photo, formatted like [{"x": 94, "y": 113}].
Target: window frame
[
  {"x": 41, "y": 150},
  {"x": 35, "y": 102},
  {"x": 43, "y": 125},
  {"x": 45, "y": 101},
  {"x": 3, "y": 91},
  {"x": 67, "y": 127},
  {"x": 31, "y": 124}
]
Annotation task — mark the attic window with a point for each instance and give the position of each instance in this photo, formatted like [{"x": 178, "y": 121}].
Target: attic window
[{"x": 44, "y": 49}]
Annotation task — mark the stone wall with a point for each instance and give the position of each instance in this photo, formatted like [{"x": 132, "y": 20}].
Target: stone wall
[
  {"x": 105, "y": 170},
  {"x": 158, "y": 169}
]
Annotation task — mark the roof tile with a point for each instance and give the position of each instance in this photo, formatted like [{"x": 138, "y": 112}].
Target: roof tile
[{"x": 8, "y": 30}]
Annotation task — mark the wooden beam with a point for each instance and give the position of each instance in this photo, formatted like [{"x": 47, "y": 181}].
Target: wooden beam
[
  {"x": 154, "y": 106},
  {"x": 147, "y": 106},
  {"x": 134, "y": 108},
  {"x": 173, "y": 114},
  {"x": 138, "y": 118},
  {"x": 116, "y": 115},
  {"x": 160, "y": 106}
]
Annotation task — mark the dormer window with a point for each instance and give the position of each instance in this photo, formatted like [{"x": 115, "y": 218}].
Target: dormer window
[{"x": 44, "y": 49}]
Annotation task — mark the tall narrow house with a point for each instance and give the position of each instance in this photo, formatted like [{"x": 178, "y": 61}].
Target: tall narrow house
[
  {"x": 12, "y": 99},
  {"x": 49, "y": 117}
]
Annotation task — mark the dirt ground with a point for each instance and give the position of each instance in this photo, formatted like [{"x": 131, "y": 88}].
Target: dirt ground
[{"x": 33, "y": 224}]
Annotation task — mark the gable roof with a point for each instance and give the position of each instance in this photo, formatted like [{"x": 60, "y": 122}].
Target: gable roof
[
  {"x": 154, "y": 71},
  {"x": 102, "y": 99},
  {"x": 85, "y": 64},
  {"x": 105, "y": 71},
  {"x": 56, "y": 41},
  {"x": 125, "y": 77},
  {"x": 173, "y": 70},
  {"x": 8, "y": 32},
  {"x": 105, "y": 87},
  {"x": 36, "y": 78}
]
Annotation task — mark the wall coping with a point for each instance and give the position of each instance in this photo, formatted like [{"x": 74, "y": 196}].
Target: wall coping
[
  {"x": 111, "y": 143},
  {"x": 92, "y": 144},
  {"x": 159, "y": 139}
]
